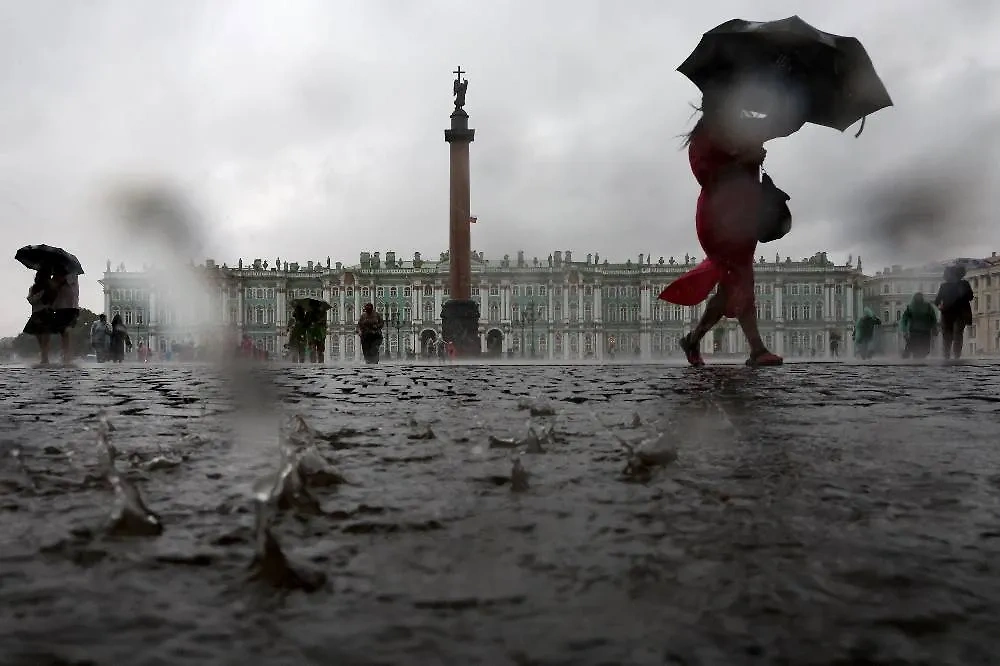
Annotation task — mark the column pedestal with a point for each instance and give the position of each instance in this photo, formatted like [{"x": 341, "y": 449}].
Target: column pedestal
[{"x": 460, "y": 325}]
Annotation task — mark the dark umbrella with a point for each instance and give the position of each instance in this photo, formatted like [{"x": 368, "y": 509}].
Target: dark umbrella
[
  {"x": 47, "y": 257},
  {"x": 312, "y": 304},
  {"x": 840, "y": 81}
]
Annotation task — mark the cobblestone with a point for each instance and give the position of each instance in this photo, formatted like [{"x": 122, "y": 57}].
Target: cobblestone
[{"x": 814, "y": 514}]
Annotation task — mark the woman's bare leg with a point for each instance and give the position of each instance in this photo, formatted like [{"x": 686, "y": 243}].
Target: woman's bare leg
[
  {"x": 714, "y": 309},
  {"x": 67, "y": 355},
  {"x": 43, "y": 346},
  {"x": 748, "y": 322}
]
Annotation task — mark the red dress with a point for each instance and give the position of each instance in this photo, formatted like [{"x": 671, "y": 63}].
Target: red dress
[{"x": 726, "y": 224}]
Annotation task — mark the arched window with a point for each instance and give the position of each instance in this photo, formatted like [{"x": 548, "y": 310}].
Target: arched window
[
  {"x": 819, "y": 310},
  {"x": 805, "y": 311}
]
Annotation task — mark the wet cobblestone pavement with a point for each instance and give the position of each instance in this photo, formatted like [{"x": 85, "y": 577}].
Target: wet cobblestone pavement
[{"x": 814, "y": 514}]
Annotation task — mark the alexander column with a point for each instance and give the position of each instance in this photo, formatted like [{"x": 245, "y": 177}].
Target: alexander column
[{"x": 460, "y": 314}]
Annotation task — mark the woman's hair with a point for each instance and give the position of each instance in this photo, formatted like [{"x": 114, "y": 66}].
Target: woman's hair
[
  {"x": 41, "y": 277},
  {"x": 699, "y": 126}
]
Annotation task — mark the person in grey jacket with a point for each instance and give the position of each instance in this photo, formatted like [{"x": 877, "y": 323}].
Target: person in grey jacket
[{"x": 100, "y": 338}]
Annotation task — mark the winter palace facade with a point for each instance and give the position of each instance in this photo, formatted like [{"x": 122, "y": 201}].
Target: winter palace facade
[{"x": 558, "y": 308}]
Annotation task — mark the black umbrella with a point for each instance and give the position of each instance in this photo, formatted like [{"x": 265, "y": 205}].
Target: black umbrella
[
  {"x": 840, "y": 81},
  {"x": 47, "y": 257},
  {"x": 312, "y": 304}
]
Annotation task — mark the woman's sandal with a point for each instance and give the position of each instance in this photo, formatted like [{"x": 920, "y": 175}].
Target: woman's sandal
[
  {"x": 691, "y": 351},
  {"x": 764, "y": 359}
]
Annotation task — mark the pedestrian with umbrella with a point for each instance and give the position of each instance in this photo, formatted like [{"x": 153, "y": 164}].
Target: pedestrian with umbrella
[
  {"x": 55, "y": 307},
  {"x": 759, "y": 81}
]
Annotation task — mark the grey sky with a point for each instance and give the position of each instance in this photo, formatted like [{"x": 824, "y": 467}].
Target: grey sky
[{"x": 314, "y": 128}]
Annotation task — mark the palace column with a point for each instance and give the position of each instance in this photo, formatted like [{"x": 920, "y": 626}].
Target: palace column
[{"x": 460, "y": 314}]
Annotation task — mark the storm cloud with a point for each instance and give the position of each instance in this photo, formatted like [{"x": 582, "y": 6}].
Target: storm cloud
[{"x": 315, "y": 128}]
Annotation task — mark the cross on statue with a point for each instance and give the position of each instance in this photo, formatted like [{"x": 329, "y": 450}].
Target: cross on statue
[{"x": 459, "y": 88}]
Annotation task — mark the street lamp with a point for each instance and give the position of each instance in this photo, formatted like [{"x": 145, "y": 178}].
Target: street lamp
[
  {"x": 396, "y": 323},
  {"x": 528, "y": 318}
]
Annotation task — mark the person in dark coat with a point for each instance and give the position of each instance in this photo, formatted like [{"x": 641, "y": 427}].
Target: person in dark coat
[
  {"x": 954, "y": 299},
  {"x": 41, "y": 295},
  {"x": 120, "y": 340},
  {"x": 369, "y": 329}
]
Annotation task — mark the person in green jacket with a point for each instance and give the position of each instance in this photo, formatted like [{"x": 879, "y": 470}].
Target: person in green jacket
[
  {"x": 864, "y": 333},
  {"x": 918, "y": 324}
]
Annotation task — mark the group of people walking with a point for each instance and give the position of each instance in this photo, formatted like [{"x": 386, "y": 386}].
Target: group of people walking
[
  {"x": 949, "y": 314},
  {"x": 110, "y": 342}
]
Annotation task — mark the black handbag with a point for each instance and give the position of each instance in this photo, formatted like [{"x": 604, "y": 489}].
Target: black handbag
[{"x": 774, "y": 218}]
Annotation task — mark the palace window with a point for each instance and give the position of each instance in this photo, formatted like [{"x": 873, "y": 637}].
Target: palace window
[
  {"x": 541, "y": 290},
  {"x": 393, "y": 292},
  {"x": 588, "y": 290},
  {"x": 557, "y": 342},
  {"x": 768, "y": 311},
  {"x": 494, "y": 290},
  {"x": 794, "y": 312},
  {"x": 819, "y": 310},
  {"x": 805, "y": 311},
  {"x": 515, "y": 290},
  {"x": 406, "y": 314},
  {"x": 623, "y": 313},
  {"x": 429, "y": 291},
  {"x": 475, "y": 291},
  {"x": 380, "y": 291},
  {"x": 529, "y": 290},
  {"x": 795, "y": 290},
  {"x": 839, "y": 289},
  {"x": 364, "y": 292},
  {"x": 588, "y": 312},
  {"x": 494, "y": 313},
  {"x": 406, "y": 292},
  {"x": 572, "y": 291}
]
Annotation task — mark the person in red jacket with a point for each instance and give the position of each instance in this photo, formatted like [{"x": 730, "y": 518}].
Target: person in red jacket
[{"x": 726, "y": 151}]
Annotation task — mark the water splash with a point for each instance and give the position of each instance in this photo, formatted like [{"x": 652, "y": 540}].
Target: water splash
[
  {"x": 518, "y": 476},
  {"x": 286, "y": 489},
  {"x": 130, "y": 516}
]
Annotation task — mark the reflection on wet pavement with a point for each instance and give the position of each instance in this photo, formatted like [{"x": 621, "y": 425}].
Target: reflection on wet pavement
[{"x": 811, "y": 514}]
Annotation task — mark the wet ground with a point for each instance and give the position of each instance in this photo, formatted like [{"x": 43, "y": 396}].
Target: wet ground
[{"x": 815, "y": 514}]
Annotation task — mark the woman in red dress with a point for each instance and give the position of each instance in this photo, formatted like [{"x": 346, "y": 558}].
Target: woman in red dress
[{"x": 726, "y": 151}]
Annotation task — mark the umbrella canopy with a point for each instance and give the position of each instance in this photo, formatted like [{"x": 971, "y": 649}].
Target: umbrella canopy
[
  {"x": 312, "y": 304},
  {"x": 840, "y": 81},
  {"x": 47, "y": 257}
]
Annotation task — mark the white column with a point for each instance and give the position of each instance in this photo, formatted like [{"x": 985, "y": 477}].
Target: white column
[
  {"x": 550, "y": 351},
  {"x": 580, "y": 350},
  {"x": 438, "y": 300},
  {"x": 598, "y": 304}
]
